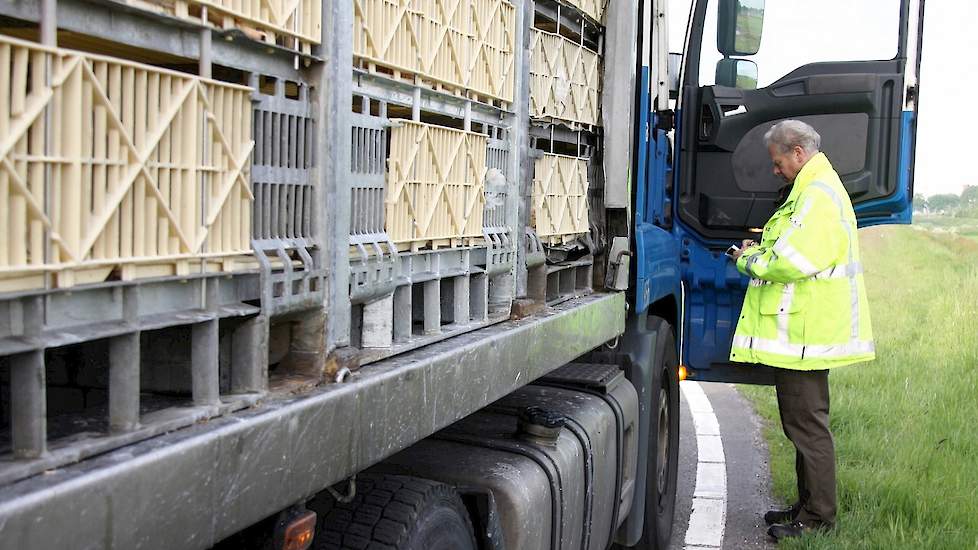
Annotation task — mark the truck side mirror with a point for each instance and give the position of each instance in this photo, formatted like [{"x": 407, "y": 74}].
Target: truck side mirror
[
  {"x": 736, "y": 73},
  {"x": 739, "y": 26},
  {"x": 674, "y": 66}
]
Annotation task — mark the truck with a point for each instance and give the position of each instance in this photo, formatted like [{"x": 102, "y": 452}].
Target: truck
[{"x": 396, "y": 273}]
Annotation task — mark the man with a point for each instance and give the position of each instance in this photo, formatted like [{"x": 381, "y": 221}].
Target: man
[{"x": 805, "y": 312}]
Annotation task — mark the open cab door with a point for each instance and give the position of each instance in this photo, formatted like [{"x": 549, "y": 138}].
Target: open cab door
[{"x": 847, "y": 68}]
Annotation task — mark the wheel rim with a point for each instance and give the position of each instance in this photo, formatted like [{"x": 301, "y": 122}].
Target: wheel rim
[{"x": 662, "y": 469}]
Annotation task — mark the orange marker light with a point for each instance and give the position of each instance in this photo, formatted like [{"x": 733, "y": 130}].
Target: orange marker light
[
  {"x": 300, "y": 531},
  {"x": 682, "y": 373}
]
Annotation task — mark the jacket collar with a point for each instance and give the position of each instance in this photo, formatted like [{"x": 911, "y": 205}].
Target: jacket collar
[{"x": 815, "y": 165}]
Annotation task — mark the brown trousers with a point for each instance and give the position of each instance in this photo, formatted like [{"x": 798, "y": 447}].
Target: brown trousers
[{"x": 803, "y": 401}]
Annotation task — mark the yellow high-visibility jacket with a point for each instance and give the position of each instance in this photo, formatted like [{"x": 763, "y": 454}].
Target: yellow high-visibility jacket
[{"x": 806, "y": 306}]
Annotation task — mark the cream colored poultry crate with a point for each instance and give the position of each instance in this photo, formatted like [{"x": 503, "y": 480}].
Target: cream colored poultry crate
[
  {"x": 117, "y": 170},
  {"x": 466, "y": 47},
  {"x": 565, "y": 80},
  {"x": 293, "y": 24},
  {"x": 435, "y": 186},
  {"x": 560, "y": 208}
]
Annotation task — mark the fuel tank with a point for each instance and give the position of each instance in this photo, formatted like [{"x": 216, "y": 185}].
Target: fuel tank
[{"x": 556, "y": 456}]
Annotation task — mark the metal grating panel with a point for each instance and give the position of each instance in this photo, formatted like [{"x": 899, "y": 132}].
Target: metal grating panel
[
  {"x": 368, "y": 167},
  {"x": 373, "y": 257},
  {"x": 285, "y": 209},
  {"x": 501, "y": 253}
]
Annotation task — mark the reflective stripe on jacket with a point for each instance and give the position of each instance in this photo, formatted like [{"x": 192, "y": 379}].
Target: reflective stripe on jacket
[{"x": 806, "y": 306}]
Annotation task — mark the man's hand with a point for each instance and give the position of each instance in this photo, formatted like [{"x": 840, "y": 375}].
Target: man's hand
[{"x": 744, "y": 245}]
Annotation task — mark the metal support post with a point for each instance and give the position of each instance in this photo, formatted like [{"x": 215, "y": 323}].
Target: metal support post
[
  {"x": 28, "y": 399},
  {"x": 124, "y": 366},
  {"x": 460, "y": 300},
  {"x": 28, "y": 404},
  {"x": 124, "y": 358},
  {"x": 416, "y": 105},
  {"x": 585, "y": 276},
  {"x": 49, "y": 22},
  {"x": 205, "y": 351},
  {"x": 536, "y": 289},
  {"x": 521, "y": 167},
  {"x": 501, "y": 291},
  {"x": 205, "y": 46},
  {"x": 479, "y": 297},
  {"x": 336, "y": 78},
  {"x": 378, "y": 323},
  {"x": 402, "y": 313},
  {"x": 567, "y": 279},
  {"x": 249, "y": 353},
  {"x": 204, "y": 363},
  {"x": 432, "y": 307}
]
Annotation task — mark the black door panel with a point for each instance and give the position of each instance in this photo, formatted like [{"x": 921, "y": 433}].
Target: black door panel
[{"x": 855, "y": 107}]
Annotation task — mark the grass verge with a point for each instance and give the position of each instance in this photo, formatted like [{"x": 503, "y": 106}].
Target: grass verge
[{"x": 905, "y": 425}]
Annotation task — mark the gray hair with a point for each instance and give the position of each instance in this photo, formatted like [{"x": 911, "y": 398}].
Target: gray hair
[{"x": 790, "y": 133}]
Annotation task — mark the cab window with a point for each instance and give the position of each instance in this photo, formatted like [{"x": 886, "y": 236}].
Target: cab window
[{"x": 793, "y": 34}]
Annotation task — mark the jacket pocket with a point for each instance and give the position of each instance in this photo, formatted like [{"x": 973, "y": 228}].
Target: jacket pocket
[{"x": 778, "y": 298}]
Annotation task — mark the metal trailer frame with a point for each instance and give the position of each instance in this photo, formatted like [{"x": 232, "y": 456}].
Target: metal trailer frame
[
  {"x": 332, "y": 431},
  {"x": 193, "y": 487}
]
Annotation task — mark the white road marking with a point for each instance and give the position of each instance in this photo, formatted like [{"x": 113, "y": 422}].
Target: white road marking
[
  {"x": 709, "y": 511},
  {"x": 709, "y": 448}
]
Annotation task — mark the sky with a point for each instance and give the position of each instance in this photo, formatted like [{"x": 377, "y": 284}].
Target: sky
[{"x": 866, "y": 29}]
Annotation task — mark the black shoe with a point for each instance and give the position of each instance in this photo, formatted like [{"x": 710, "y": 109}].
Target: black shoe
[
  {"x": 786, "y": 515},
  {"x": 781, "y": 531}
]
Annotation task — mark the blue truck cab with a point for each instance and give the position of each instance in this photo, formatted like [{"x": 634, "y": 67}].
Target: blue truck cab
[{"x": 703, "y": 179}]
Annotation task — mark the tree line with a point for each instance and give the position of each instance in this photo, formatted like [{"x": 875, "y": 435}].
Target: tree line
[{"x": 964, "y": 205}]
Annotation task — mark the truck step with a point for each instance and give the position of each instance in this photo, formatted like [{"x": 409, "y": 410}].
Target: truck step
[{"x": 592, "y": 376}]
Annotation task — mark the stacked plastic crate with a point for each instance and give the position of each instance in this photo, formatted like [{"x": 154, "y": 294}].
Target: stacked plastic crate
[
  {"x": 292, "y": 24},
  {"x": 154, "y": 222},
  {"x": 565, "y": 119},
  {"x": 432, "y": 244}
]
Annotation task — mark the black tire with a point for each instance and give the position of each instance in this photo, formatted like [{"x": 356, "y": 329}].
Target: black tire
[
  {"x": 663, "y": 463},
  {"x": 393, "y": 512},
  {"x": 663, "y": 431}
]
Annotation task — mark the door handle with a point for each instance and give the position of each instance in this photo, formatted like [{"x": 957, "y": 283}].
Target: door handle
[
  {"x": 707, "y": 123},
  {"x": 734, "y": 110}
]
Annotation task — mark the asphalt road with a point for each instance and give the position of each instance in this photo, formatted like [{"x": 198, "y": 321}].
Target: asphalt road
[{"x": 746, "y": 464}]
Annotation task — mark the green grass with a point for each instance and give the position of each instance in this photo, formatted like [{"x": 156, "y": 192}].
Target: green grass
[
  {"x": 965, "y": 227},
  {"x": 905, "y": 425}
]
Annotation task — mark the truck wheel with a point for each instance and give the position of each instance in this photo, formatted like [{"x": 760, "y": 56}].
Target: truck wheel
[
  {"x": 663, "y": 434},
  {"x": 665, "y": 427},
  {"x": 393, "y": 512}
]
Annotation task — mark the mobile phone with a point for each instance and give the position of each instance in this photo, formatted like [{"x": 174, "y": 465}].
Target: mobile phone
[{"x": 731, "y": 251}]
